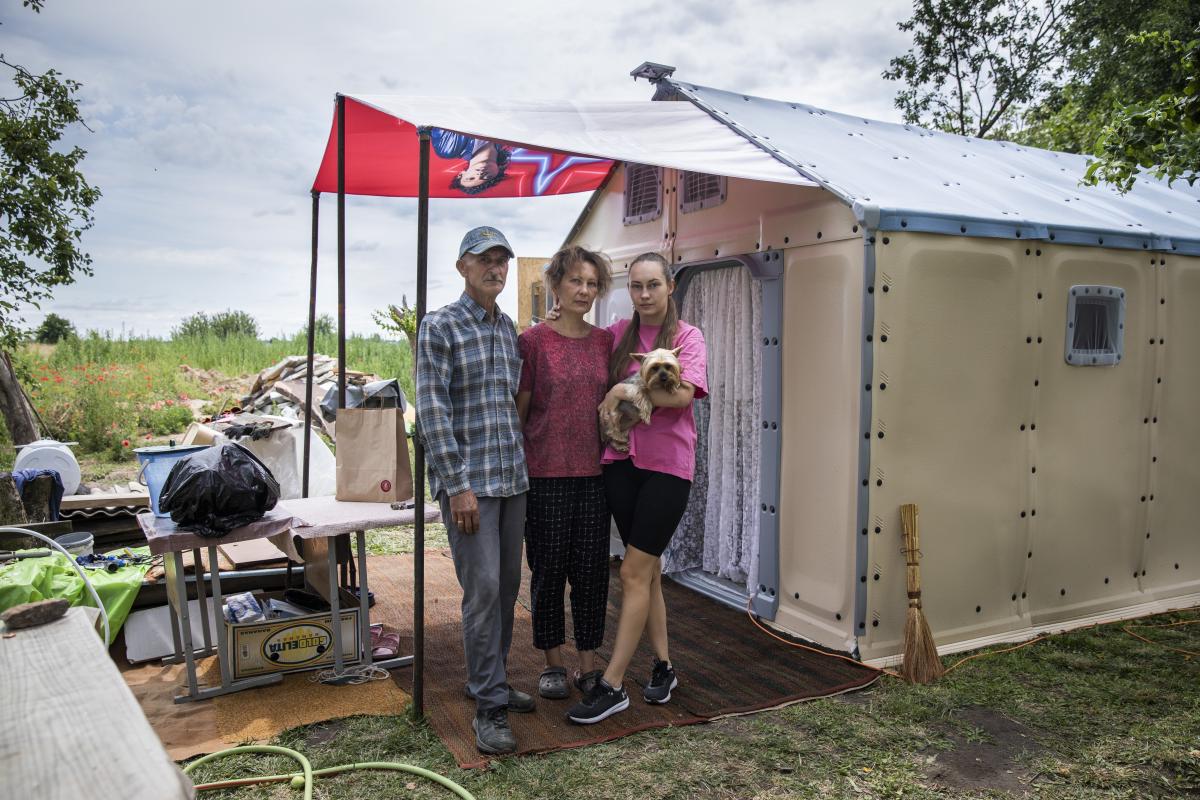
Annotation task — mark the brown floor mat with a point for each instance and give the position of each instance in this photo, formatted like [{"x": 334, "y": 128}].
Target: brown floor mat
[{"x": 725, "y": 665}]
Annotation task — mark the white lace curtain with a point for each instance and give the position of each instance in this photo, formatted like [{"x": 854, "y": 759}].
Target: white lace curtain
[{"x": 719, "y": 531}]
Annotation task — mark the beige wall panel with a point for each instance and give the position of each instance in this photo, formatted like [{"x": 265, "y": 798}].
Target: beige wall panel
[
  {"x": 1172, "y": 554},
  {"x": 760, "y": 216},
  {"x": 1091, "y": 444},
  {"x": 818, "y": 504},
  {"x": 949, "y": 341},
  {"x": 605, "y": 229}
]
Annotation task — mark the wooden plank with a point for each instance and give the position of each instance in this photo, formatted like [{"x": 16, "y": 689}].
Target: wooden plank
[
  {"x": 76, "y": 501},
  {"x": 71, "y": 727},
  {"x": 254, "y": 553}
]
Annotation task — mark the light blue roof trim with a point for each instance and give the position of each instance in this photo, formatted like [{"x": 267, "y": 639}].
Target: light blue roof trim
[{"x": 902, "y": 177}]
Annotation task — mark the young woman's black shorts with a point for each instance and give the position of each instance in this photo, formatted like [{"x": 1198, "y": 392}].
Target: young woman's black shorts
[{"x": 646, "y": 505}]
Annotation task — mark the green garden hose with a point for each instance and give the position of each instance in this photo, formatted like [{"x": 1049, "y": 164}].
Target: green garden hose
[{"x": 305, "y": 779}]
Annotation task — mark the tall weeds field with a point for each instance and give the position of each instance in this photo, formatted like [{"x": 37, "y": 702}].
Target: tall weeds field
[{"x": 110, "y": 393}]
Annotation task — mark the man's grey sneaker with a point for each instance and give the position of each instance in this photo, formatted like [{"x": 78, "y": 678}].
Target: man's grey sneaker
[
  {"x": 518, "y": 701},
  {"x": 600, "y": 703},
  {"x": 662, "y": 681},
  {"x": 492, "y": 734}
]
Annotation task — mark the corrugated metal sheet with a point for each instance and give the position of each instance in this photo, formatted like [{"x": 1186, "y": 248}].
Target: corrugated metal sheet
[{"x": 902, "y": 177}]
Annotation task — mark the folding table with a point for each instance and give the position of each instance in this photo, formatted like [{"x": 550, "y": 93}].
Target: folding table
[{"x": 306, "y": 518}]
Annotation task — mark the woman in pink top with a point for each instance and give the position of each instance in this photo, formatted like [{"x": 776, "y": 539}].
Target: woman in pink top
[
  {"x": 564, "y": 377},
  {"x": 648, "y": 487}
]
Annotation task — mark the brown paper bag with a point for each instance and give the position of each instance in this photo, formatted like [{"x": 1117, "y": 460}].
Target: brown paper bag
[{"x": 372, "y": 456}]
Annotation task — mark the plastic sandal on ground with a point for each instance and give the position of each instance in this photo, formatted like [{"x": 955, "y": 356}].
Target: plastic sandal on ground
[
  {"x": 584, "y": 682},
  {"x": 553, "y": 683}
]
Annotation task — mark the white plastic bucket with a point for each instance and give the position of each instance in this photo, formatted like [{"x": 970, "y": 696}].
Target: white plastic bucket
[
  {"x": 77, "y": 544},
  {"x": 156, "y": 466}
]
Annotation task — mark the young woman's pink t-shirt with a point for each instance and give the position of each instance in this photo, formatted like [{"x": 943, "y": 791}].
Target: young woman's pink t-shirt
[{"x": 668, "y": 443}]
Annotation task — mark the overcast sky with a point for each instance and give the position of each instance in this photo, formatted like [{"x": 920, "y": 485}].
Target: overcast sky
[{"x": 209, "y": 120}]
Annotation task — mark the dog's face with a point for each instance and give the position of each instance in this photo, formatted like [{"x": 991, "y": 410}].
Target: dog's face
[{"x": 660, "y": 368}]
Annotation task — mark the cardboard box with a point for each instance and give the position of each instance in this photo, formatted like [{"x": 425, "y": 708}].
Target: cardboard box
[{"x": 294, "y": 644}]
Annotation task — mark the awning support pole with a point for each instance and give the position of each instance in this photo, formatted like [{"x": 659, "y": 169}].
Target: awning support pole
[
  {"x": 341, "y": 248},
  {"x": 418, "y": 451},
  {"x": 312, "y": 324}
]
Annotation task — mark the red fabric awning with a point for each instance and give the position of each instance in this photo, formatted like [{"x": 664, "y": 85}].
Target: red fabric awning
[{"x": 382, "y": 154}]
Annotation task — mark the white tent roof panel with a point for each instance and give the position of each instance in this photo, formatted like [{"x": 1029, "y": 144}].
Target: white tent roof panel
[
  {"x": 935, "y": 181},
  {"x": 674, "y": 135}
]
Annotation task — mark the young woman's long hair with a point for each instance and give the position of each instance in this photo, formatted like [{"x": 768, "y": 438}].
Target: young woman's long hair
[{"x": 618, "y": 364}]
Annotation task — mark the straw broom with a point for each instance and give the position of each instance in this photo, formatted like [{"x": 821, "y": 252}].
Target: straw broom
[{"x": 921, "y": 662}]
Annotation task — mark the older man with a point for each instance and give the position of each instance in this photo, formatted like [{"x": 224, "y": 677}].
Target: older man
[{"x": 468, "y": 367}]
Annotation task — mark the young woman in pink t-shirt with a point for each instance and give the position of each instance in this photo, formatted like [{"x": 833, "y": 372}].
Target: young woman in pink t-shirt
[
  {"x": 564, "y": 376},
  {"x": 648, "y": 487}
]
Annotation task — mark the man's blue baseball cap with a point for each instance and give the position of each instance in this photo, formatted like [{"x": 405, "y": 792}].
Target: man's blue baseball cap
[{"x": 482, "y": 239}]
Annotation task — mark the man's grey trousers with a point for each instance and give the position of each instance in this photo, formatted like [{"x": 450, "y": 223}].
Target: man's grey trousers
[{"x": 488, "y": 565}]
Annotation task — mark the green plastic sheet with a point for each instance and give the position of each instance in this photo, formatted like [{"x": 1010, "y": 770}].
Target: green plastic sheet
[{"x": 30, "y": 579}]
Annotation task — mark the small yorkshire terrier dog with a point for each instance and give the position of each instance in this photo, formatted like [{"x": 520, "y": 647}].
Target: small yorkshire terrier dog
[{"x": 659, "y": 370}]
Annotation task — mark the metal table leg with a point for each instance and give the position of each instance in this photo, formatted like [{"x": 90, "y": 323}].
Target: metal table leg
[
  {"x": 335, "y": 611},
  {"x": 219, "y": 609},
  {"x": 178, "y": 597},
  {"x": 202, "y": 599},
  {"x": 364, "y": 603}
]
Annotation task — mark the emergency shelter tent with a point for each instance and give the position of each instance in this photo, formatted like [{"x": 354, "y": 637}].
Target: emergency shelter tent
[
  {"x": 942, "y": 320},
  {"x": 431, "y": 147},
  {"x": 893, "y": 315}
]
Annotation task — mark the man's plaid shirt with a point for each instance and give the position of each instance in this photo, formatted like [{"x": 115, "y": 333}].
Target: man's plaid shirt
[{"x": 468, "y": 369}]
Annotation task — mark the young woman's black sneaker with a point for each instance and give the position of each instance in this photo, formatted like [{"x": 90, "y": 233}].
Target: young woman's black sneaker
[
  {"x": 662, "y": 681},
  {"x": 600, "y": 703}
]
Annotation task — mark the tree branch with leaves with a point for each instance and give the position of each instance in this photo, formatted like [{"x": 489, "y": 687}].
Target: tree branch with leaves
[{"x": 975, "y": 64}]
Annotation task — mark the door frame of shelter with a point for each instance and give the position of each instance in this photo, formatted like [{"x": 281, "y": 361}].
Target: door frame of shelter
[{"x": 767, "y": 269}]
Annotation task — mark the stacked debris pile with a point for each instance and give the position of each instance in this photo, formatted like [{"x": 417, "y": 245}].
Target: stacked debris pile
[{"x": 279, "y": 389}]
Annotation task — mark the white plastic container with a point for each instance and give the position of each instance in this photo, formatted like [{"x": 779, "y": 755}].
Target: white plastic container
[
  {"x": 77, "y": 544},
  {"x": 51, "y": 454}
]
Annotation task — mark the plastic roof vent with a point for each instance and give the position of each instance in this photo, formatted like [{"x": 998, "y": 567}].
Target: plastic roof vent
[
  {"x": 643, "y": 193},
  {"x": 700, "y": 190}
]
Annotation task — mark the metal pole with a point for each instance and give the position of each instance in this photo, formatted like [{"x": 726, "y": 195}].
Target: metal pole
[
  {"x": 312, "y": 324},
  {"x": 418, "y": 451},
  {"x": 341, "y": 248}
]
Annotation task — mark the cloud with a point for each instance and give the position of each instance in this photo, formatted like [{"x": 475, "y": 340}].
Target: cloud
[{"x": 208, "y": 121}]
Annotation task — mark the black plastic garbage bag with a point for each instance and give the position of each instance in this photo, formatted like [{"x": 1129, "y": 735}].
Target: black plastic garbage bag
[
  {"x": 377, "y": 394},
  {"x": 218, "y": 489}
]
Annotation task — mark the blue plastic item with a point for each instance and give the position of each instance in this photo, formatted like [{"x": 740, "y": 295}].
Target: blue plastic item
[{"x": 156, "y": 465}]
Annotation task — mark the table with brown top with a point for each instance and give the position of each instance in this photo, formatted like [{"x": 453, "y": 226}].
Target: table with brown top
[{"x": 306, "y": 519}]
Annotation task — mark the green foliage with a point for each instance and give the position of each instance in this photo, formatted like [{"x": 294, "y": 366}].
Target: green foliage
[
  {"x": 1116, "y": 78},
  {"x": 1108, "y": 67},
  {"x": 399, "y": 320},
  {"x": 1161, "y": 136},
  {"x": 109, "y": 394},
  {"x": 325, "y": 325},
  {"x": 45, "y": 201},
  {"x": 53, "y": 330},
  {"x": 975, "y": 64},
  {"x": 222, "y": 325}
]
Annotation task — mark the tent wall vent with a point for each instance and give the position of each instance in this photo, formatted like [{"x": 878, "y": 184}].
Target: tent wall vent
[
  {"x": 700, "y": 190},
  {"x": 643, "y": 193},
  {"x": 1095, "y": 326}
]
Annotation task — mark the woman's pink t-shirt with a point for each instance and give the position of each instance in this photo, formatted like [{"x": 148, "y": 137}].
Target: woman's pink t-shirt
[
  {"x": 566, "y": 379},
  {"x": 668, "y": 443}
]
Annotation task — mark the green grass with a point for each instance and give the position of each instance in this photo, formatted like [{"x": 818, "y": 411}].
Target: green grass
[
  {"x": 108, "y": 394},
  {"x": 1103, "y": 715}
]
